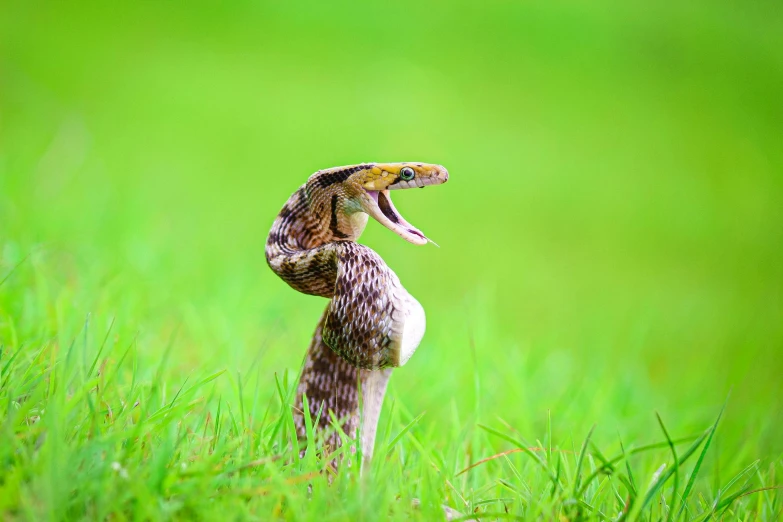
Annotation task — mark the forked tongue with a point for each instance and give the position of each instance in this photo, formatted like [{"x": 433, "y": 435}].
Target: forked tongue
[{"x": 387, "y": 215}]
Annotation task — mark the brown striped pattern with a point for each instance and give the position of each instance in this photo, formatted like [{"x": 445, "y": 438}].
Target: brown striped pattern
[{"x": 366, "y": 327}]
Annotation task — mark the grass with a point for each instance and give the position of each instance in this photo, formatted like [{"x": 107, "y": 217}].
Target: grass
[
  {"x": 94, "y": 428},
  {"x": 604, "y": 330}
]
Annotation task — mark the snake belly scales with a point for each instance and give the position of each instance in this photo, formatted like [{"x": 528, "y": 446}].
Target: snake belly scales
[{"x": 371, "y": 323}]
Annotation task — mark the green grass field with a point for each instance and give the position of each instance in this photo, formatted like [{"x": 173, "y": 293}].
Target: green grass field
[{"x": 605, "y": 310}]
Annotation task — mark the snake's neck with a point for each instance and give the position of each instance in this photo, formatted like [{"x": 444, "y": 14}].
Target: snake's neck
[
  {"x": 313, "y": 217},
  {"x": 301, "y": 247}
]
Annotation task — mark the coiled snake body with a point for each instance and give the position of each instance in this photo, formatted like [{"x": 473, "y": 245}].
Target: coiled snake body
[{"x": 371, "y": 324}]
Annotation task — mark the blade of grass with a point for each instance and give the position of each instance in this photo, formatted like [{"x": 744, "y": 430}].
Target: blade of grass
[
  {"x": 403, "y": 431},
  {"x": 718, "y": 502},
  {"x": 100, "y": 350},
  {"x": 580, "y": 461},
  {"x": 633, "y": 451},
  {"x": 672, "y": 503},
  {"x": 697, "y": 467},
  {"x": 309, "y": 455},
  {"x": 11, "y": 272},
  {"x": 287, "y": 419},
  {"x": 631, "y": 480},
  {"x": 525, "y": 449},
  {"x": 549, "y": 436},
  {"x": 669, "y": 472}
]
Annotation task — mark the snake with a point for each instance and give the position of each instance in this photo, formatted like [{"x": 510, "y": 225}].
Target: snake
[{"x": 371, "y": 323}]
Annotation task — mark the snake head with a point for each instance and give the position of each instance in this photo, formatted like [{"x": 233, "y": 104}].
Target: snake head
[{"x": 378, "y": 179}]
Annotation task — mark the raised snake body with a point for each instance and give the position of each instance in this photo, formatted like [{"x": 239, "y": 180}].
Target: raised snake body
[{"x": 371, "y": 324}]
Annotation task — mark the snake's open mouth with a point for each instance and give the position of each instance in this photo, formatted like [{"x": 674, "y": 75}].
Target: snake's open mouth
[{"x": 382, "y": 209}]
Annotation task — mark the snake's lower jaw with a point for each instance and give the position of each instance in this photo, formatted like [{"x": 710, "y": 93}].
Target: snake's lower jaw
[{"x": 379, "y": 205}]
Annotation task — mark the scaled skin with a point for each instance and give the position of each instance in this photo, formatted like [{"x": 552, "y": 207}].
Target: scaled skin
[{"x": 371, "y": 324}]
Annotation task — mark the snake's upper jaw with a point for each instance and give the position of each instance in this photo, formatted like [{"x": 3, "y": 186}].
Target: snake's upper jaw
[{"x": 380, "y": 207}]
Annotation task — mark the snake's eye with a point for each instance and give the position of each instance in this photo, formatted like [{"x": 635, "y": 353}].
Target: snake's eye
[{"x": 407, "y": 173}]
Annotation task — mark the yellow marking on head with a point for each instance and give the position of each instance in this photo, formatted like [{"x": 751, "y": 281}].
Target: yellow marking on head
[{"x": 385, "y": 176}]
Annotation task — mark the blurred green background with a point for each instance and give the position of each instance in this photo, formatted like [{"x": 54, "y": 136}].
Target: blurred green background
[{"x": 611, "y": 235}]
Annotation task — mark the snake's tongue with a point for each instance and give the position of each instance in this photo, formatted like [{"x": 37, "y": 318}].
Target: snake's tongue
[{"x": 382, "y": 209}]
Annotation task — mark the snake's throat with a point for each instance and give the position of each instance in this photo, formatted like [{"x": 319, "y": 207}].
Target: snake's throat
[
  {"x": 412, "y": 330},
  {"x": 382, "y": 209},
  {"x": 398, "y": 332}
]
